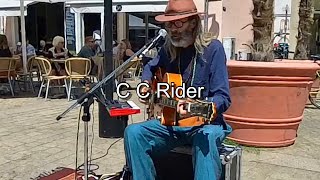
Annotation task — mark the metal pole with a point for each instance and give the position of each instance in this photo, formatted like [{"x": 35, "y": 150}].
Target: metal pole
[
  {"x": 286, "y": 24},
  {"x": 108, "y": 35},
  {"x": 109, "y": 127},
  {"x": 23, "y": 37},
  {"x": 146, "y": 17},
  {"x": 206, "y": 9},
  {"x": 86, "y": 150}
]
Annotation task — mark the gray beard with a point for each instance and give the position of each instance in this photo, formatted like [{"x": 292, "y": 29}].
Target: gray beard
[{"x": 186, "y": 41}]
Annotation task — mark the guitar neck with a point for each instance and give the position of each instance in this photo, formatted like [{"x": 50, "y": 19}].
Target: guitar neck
[
  {"x": 199, "y": 109},
  {"x": 168, "y": 102}
]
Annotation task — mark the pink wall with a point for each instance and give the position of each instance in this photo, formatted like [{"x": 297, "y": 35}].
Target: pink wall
[
  {"x": 215, "y": 16},
  {"x": 234, "y": 18},
  {"x": 229, "y": 23}
]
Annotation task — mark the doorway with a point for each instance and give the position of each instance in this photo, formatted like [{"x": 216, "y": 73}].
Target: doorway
[
  {"x": 41, "y": 25},
  {"x": 92, "y": 22}
]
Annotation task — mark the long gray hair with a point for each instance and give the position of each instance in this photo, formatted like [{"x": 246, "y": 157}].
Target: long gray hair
[{"x": 202, "y": 40}]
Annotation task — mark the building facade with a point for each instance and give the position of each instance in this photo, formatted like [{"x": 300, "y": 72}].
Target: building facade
[{"x": 229, "y": 20}]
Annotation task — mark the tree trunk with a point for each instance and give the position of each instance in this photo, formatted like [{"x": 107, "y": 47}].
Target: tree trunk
[
  {"x": 306, "y": 9},
  {"x": 262, "y": 14}
]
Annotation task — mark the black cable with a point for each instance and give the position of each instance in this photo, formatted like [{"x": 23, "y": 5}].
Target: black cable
[
  {"x": 107, "y": 150},
  {"x": 79, "y": 168},
  {"x": 102, "y": 155}
]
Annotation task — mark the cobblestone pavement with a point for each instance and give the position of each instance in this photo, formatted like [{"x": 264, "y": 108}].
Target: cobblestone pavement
[{"x": 33, "y": 142}]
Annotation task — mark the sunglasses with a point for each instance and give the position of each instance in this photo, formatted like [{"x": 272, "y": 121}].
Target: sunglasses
[{"x": 178, "y": 23}]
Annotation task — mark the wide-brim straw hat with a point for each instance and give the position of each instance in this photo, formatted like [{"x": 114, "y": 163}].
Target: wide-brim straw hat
[{"x": 178, "y": 9}]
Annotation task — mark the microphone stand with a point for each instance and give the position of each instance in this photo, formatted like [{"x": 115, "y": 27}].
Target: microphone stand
[{"x": 87, "y": 99}]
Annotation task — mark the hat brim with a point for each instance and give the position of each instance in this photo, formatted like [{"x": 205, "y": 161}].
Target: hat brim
[{"x": 166, "y": 18}]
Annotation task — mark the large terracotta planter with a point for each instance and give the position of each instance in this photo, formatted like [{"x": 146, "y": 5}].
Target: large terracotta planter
[
  {"x": 316, "y": 81},
  {"x": 268, "y": 99}
]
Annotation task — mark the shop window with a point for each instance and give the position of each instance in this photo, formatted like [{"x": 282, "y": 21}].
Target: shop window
[
  {"x": 92, "y": 22},
  {"x": 142, "y": 27}
]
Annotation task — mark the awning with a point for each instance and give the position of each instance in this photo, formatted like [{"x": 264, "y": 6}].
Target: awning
[
  {"x": 12, "y": 7},
  {"x": 137, "y": 23},
  {"x": 96, "y": 6}
]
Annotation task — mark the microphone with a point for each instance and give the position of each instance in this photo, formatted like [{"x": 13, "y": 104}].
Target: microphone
[{"x": 161, "y": 34}]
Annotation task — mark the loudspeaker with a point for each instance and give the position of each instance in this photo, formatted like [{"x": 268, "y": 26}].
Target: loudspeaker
[{"x": 111, "y": 127}]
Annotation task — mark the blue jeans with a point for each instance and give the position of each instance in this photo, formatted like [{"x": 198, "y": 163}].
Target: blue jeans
[{"x": 144, "y": 140}]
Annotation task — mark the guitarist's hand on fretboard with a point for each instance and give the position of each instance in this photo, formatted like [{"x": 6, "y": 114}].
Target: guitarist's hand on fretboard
[{"x": 182, "y": 108}]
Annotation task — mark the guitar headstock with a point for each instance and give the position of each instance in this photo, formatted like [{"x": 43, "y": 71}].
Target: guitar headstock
[{"x": 203, "y": 109}]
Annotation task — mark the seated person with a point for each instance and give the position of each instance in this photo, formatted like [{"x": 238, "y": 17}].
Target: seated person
[
  {"x": 114, "y": 48},
  {"x": 4, "y": 52},
  {"x": 31, "y": 51},
  {"x": 127, "y": 49},
  {"x": 4, "y": 47},
  {"x": 42, "y": 51},
  {"x": 87, "y": 51},
  {"x": 98, "y": 43},
  {"x": 58, "y": 52},
  {"x": 18, "y": 50},
  {"x": 201, "y": 61}
]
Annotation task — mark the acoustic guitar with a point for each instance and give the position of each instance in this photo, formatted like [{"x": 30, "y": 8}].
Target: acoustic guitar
[{"x": 166, "y": 108}]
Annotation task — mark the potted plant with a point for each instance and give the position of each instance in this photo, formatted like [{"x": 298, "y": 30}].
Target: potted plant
[
  {"x": 306, "y": 10},
  {"x": 268, "y": 96}
]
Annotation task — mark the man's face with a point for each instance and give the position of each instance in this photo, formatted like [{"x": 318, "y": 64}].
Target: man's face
[
  {"x": 181, "y": 31},
  {"x": 90, "y": 43}
]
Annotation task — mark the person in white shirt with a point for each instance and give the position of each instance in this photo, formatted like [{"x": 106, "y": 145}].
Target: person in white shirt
[{"x": 31, "y": 51}]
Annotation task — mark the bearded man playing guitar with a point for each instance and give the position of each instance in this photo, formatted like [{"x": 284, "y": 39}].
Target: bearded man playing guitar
[{"x": 201, "y": 61}]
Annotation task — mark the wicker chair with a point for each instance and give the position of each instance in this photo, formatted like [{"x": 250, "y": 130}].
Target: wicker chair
[
  {"x": 45, "y": 68},
  {"x": 8, "y": 70},
  {"x": 77, "y": 69}
]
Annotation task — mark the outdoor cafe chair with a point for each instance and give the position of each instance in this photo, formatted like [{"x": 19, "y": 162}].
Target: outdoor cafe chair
[
  {"x": 45, "y": 68},
  {"x": 8, "y": 70},
  {"x": 29, "y": 75},
  {"x": 133, "y": 70},
  {"x": 77, "y": 68}
]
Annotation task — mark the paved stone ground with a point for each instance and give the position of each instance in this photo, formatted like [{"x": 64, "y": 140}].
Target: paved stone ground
[{"x": 33, "y": 142}]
